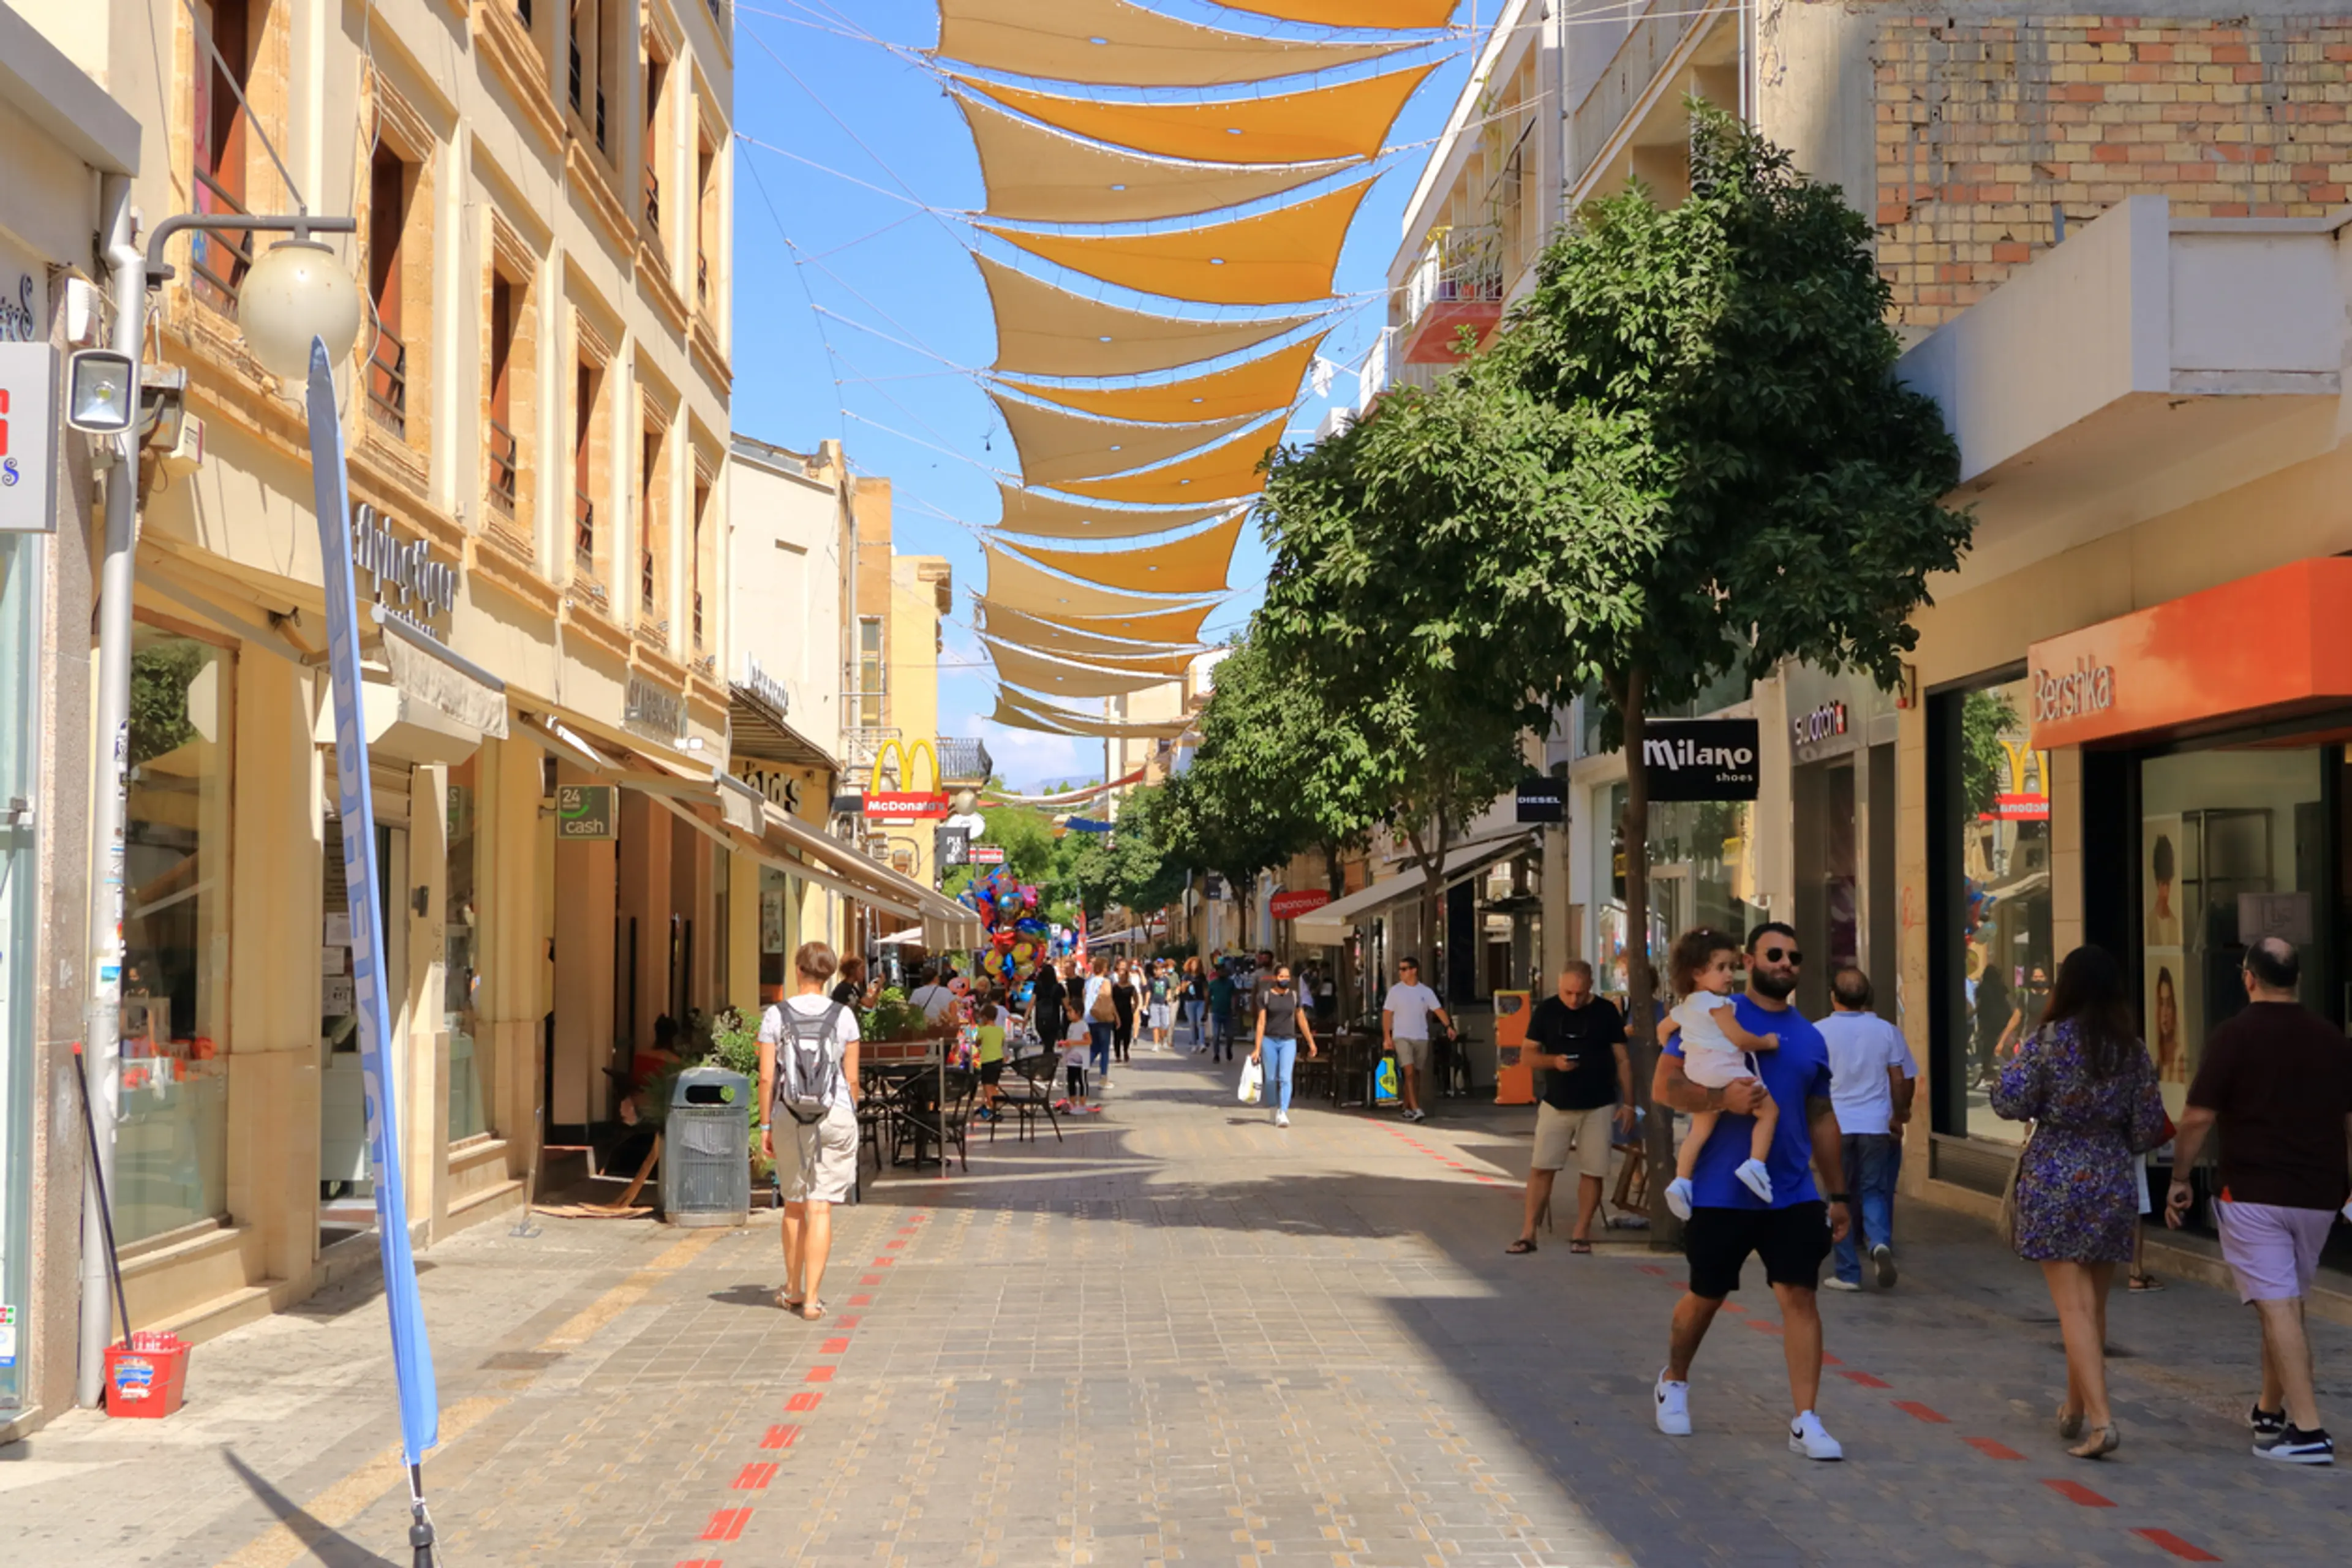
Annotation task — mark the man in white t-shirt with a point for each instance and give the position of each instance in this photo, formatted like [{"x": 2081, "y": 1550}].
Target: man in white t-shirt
[
  {"x": 1872, "y": 1078},
  {"x": 1405, "y": 1014},
  {"x": 933, "y": 997}
]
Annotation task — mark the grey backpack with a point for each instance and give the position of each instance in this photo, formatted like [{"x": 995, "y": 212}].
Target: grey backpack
[{"x": 808, "y": 1061}]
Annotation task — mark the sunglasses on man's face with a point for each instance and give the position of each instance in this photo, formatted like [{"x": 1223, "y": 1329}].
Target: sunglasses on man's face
[{"x": 1775, "y": 954}]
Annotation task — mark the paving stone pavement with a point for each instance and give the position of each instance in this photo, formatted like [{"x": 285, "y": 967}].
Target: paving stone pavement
[{"x": 1181, "y": 1335}]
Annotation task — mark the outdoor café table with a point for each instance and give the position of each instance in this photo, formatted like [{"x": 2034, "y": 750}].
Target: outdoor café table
[{"x": 913, "y": 1091}]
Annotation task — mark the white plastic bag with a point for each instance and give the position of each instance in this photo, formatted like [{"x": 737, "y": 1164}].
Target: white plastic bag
[{"x": 1253, "y": 1081}]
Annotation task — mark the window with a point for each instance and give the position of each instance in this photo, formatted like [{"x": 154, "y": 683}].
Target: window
[
  {"x": 705, "y": 216},
  {"x": 391, "y": 182},
  {"x": 219, "y": 261},
  {"x": 703, "y": 567},
  {"x": 462, "y": 956},
  {"x": 1702, "y": 871},
  {"x": 504, "y": 452},
  {"x": 653, "y": 532},
  {"x": 593, "y": 50},
  {"x": 869, "y": 672},
  {"x": 1992, "y": 957},
  {"x": 171, "y": 1158},
  {"x": 656, "y": 144},
  {"x": 587, "y": 389}
]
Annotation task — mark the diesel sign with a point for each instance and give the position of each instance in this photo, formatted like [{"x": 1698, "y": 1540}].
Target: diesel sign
[{"x": 1701, "y": 759}]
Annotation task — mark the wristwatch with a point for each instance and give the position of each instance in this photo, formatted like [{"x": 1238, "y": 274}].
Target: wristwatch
[{"x": 1840, "y": 1198}]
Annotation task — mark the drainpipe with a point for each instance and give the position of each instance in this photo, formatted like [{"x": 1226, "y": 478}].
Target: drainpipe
[{"x": 110, "y": 705}]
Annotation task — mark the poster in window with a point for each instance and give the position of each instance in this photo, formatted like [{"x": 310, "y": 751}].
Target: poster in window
[
  {"x": 2161, "y": 870},
  {"x": 2167, "y": 1015},
  {"x": 771, "y": 920}
]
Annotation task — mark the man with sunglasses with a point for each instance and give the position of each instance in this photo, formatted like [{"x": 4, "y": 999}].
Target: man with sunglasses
[{"x": 1791, "y": 1234}]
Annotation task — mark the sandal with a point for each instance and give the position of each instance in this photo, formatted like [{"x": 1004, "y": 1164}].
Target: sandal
[
  {"x": 1520, "y": 1247},
  {"x": 2145, "y": 1282},
  {"x": 2102, "y": 1441},
  {"x": 786, "y": 1302},
  {"x": 811, "y": 1310},
  {"x": 1579, "y": 1247}
]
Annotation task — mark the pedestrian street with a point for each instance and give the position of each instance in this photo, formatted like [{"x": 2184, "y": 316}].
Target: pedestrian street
[{"x": 1181, "y": 1335}]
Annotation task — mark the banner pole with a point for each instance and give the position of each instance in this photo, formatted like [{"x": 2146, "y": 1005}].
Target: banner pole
[{"x": 420, "y": 1531}]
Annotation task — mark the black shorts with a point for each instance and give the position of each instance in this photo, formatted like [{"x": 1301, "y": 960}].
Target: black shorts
[
  {"x": 1792, "y": 1241},
  {"x": 989, "y": 1072}
]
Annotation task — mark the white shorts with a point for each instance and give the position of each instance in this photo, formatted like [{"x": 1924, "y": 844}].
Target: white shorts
[
  {"x": 818, "y": 1159},
  {"x": 1159, "y": 1014},
  {"x": 1712, "y": 1067},
  {"x": 1411, "y": 1053},
  {"x": 1583, "y": 1134}
]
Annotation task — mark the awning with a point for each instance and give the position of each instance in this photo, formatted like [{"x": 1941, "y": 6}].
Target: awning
[
  {"x": 1329, "y": 926},
  {"x": 1354, "y": 13},
  {"x": 1115, "y": 43},
  {"x": 1042, "y": 330},
  {"x": 759, "y": 730},
  {"x": 1268, "y": 382},
  {"x": 1089, "y": 637},
  {"x": 830, "y": 862},
  {"x": 1193, "y": 564},
  {"x": 1223, "y": 473},
  {"x": 1058, "y": 444},
  {"x": 1020, "y": 584},
  {"x": 1019, "y": 712},
  {"x": 1348, "y": 120},
  {"x": 1052, "y": 517}
]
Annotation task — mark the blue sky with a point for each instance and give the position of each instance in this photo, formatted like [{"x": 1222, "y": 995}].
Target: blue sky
[{"x": 846, "y": 280}]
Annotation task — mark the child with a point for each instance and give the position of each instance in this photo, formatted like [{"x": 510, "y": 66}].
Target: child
[
  {"x": 1075, "y": 1042},
  {"x": 992, "y": 1057},
  {"x": 1714, "y": 1050}
]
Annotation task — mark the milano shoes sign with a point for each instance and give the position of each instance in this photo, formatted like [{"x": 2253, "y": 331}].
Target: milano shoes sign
[{"x": 1701, "y": 759}]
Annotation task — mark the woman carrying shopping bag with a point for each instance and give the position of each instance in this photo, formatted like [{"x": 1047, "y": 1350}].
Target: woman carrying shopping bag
[{"x": 1281, "y": 1025}]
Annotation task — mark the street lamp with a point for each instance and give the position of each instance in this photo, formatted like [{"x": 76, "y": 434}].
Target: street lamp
[{"x": 293, "y": 293}]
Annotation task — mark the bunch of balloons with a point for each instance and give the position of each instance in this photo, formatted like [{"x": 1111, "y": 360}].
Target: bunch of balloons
[{"x": 1018, "y": 936}]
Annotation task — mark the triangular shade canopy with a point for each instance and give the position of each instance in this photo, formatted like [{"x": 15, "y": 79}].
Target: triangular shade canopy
[
  {"x": 1044, "y": 330},
  {"x": 1056, "y": 445},
  {"x": 1272, "y": 259},
  {"x": 1264, "y": 384},
  {"x": 1041, "y": 175},
  {"x": 1069, "y": 681},
  {"x": 1015, "y": 713},
  {"x": 1195, "y": 564},
  {"x": 1220, "y": 473},
  {"x": 1165, "y": 631},
  {"x": 1114, "y": 42},
  {"x": 1348, "y": 120},
  {"x": 1033, "y": 511},
  {"x": 1021, "y": 584},
  {"x": 1353, "y": 13}
]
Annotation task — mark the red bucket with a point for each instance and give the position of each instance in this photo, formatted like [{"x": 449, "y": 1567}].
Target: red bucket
[{"x": 145, "y": 1378}]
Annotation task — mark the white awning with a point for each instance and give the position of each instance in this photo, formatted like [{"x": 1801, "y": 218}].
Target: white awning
[{"x": 1329, "y": 926}]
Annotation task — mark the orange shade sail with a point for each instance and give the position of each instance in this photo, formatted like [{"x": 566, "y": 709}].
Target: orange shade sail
[
  {"x": 1020, "y": 713},
  {"x": 1196, "y": 563},
  {"x": 1220, "y": 474},
  {"x": 1262, "y": 384},
  {"x": 1034, "y": 511},
  {"x": 1348, "y": 120},
  {"x": 1016, "y": 580},
  {"x": 1399, "y": 13},
  {"x": 1042, "y": 330},
  {"x": 1065, "y": 680},
  {"x": 1270, "y": 258},
  {"x": 1111, "y": 43},
  {"x": 1111, "y": 635},
  {"x": 1037, "y": 175},
  {"x": 1057, "y": 445}
]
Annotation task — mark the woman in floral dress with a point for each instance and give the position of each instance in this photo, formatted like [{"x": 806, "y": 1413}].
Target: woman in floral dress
[{"x": 2087, "y": 1083}]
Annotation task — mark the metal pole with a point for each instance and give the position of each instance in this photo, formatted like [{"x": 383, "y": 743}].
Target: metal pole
[{"x": 110, "y": 707}]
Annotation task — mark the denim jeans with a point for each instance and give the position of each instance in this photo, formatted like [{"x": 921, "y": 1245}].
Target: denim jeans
[
  {"x": 1221, "y": 1037},
  {"x": 1193, "y": 1013},
  {"x": 1872, "y": 1161},
  {"x": 1098, "y": 1037},
  {"x": 1280, "y": 1057}
]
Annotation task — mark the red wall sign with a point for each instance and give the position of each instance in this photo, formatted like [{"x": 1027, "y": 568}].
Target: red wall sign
[
  {"x": 898, "y": 803},
  {"x": 1290, "y": 906}
]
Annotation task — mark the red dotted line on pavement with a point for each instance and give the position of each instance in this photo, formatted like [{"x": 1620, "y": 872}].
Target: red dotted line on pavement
[
  {"x": 727, "y": 1523},
  {"x": 1442, "y": 1156},
  {"x": 1991, "y": 1448}
]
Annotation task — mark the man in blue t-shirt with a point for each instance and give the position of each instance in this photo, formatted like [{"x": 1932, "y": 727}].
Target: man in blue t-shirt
[{"x": 1793, "y": 1232}]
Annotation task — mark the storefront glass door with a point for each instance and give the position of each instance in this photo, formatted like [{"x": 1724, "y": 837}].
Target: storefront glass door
[{"x": 20, "y": 556}]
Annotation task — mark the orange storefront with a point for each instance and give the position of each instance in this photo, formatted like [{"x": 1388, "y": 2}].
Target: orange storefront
[{"x": 2184, "y": 767}]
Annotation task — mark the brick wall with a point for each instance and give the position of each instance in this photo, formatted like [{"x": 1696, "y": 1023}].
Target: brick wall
[{"x": 1988, "y": 127}]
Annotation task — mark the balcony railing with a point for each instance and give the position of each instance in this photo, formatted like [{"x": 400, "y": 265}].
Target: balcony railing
[
  {"x": 504, "y": 452},
  {"x": 1460, "y": 265},
  {"x": 652, "y": 199},
  {"x": 219, "y": 261},
  {"x": 583, "y": 536},
  {"x": 387, "y": 382},
  {"x": 601, "y": 145}
]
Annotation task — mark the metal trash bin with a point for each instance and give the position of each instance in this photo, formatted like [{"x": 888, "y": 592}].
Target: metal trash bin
[{"x": 706, "y": 1167}]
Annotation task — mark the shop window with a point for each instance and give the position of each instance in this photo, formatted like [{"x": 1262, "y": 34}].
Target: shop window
[
  {"x": 462, "y": 956},
  {"x": 391, "y": 183},
  {"x": 1993, "y": 955},
  {"x": 171, "y": 1142},
  {"x": 504, "y": 451},
  {"x": 219, "y": 138},
  {"x": 1702, "y": 858}
]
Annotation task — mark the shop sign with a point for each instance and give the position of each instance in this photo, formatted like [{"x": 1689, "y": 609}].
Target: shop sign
[
  {"x": 781, "y": 789},
  {"x": 649, "y": 710},
  {"x": 1702, "y": 759},
  {"x": 987, "y": 854},
  {"x": 765, "y": 687},
  {"x": 1305, "y": 900},
  {"x": 1823, "y": 725},
  {"x": 2286, "y": 915},
  {"x": 1543, "y": 800},
  {"x": 28, "y": 437},
  {"x": 903, "y": 805},
  {"x": 2021, "y": 808},
  {"x": 2081, "y": 692},
  {"x": 583, "y": 811},
  {"x": 408, "y": 581}
]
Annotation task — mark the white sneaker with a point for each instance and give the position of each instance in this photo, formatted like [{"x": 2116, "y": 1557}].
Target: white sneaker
[
  {"x": 1678, "y": 1197},
  {"x": 1673, "y": 1406},
  {"x": 1835, "y": 1283},
  {"x": 1282, "y": 1119},
  {"x": 1882, "y": 1256},
  {"x": 1755, "y": 1178},
  {"x": 1807, "y": 1436}
]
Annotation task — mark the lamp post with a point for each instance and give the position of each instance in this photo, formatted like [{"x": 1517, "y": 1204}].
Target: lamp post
[{"x": 293, "y": 291}]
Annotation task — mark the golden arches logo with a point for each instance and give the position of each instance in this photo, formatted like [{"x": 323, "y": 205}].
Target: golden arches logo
[
  {"x": 906, "y": 755},
  {"x": 2021, "y": 758}
]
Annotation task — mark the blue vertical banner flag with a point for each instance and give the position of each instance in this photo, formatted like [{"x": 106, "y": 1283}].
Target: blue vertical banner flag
[{"x": 412, "y": 1352}]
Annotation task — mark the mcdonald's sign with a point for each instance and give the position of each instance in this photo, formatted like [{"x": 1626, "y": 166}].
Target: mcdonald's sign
[
  {"x": 905, "y": 802},
  {"x": 2027, "y": 799}
]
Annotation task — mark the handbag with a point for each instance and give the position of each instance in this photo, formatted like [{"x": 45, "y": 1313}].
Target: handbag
[
  {"x": 2008, "y": 1191},
  {"x": 1106, "y": 1007},
  {"x": 1253, "y": 1082}
]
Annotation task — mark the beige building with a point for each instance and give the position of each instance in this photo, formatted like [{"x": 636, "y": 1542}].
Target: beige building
[{"x": 537, "y": 419}]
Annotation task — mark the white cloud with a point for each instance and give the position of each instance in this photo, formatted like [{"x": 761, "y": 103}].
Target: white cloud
[{"x": 1026, "y": 760}]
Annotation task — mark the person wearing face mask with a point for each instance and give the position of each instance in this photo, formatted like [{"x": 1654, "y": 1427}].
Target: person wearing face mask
[{"x": 1281, "y": 1025}]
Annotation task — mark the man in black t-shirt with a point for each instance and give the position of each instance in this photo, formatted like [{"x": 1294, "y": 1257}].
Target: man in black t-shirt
[{"x": 1579, "y": 1040}]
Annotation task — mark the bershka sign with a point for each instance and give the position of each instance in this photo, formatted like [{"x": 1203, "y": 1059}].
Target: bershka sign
[
  {"x": 1543, "y": 800},
  {"x": 1702, "y": 759},
  {"x": 1289, "y": 906},
  {"x": 2076, "y": 693}
]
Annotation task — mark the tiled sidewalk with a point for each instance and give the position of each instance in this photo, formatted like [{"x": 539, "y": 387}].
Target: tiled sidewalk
[{"x": 1180, "y": 1336}]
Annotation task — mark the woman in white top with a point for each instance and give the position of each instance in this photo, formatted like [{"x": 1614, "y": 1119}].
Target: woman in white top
[{"x": 819, "y": 1161}]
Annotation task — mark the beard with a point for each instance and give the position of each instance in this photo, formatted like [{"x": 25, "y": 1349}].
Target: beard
[{"x": 1778, "y": 987}]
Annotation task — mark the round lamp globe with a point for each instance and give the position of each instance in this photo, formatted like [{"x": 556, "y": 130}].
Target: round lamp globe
[{"x": 297, "y": 291}]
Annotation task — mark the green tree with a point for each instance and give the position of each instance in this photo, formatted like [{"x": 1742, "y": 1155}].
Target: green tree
[{"x": 1742, "y": 481}]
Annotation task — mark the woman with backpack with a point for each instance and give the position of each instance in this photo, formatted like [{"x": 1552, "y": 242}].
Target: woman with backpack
[{"x": 808, "y": 1082}]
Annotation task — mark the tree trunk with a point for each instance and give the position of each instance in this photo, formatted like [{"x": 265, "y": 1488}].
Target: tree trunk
[
  {"x": 1658, "y": 1126},
  {"x": 1433, "y": 899}
]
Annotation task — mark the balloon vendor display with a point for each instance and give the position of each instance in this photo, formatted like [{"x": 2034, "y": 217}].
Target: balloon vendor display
[{"x": 1018, "y": 935}]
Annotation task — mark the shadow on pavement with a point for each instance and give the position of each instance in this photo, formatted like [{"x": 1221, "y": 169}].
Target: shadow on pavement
[{"x": 323, "y": 1541}]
